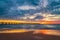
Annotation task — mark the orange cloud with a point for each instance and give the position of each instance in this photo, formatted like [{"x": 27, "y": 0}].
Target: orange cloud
[{"x": 50, "y": 22}]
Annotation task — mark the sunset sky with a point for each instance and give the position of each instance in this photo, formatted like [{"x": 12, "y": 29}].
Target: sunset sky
[
  {"x": 30, "y": 9},
  {"x": 29, "y": 19},
  {"x": 35, "y": 10}
]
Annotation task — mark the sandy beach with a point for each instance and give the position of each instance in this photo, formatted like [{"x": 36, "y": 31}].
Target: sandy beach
[{"x": 30, "y": 35}]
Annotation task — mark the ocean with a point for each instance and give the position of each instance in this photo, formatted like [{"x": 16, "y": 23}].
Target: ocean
[{"x": 30, "y": 26}]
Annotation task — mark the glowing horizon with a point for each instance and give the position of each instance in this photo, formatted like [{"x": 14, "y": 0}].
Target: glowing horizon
[{"x": 30, "y": 22}]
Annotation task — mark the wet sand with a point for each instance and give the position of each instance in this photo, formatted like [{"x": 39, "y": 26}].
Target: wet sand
[{"x": 29, "y": 35}]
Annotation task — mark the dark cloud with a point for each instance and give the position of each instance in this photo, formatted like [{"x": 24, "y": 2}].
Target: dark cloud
[{"x": 8, "y": 8}]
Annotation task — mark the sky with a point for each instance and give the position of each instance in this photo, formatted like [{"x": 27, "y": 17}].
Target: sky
[{"x": 30, "y": 9}]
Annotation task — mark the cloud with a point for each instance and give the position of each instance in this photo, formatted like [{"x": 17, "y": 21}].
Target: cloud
[
  {"x": 48, "y": 16},
  {"x": 51, "y": 17},
  {"x": 28, "y": 16},
  {"x": 32, "y": 17},
  {"x": 45, "y": 3},
  {"x": 26, "y": 7},
  {"x": 42, "y": 16}
]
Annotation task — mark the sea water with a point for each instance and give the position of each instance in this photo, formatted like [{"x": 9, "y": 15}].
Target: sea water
[{"x": 30, "y": 26}]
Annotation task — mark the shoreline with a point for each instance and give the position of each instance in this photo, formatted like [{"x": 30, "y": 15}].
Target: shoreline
[{"x": 37, "y": 31}]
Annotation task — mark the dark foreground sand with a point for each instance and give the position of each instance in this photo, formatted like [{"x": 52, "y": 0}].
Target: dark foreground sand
[{"x": 27, "y": 36}]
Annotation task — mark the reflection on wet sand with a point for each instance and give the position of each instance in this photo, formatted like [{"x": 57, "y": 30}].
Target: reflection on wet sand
[
  {"x": 48, "y": 32},
  {"x": 30, "y": 35}
]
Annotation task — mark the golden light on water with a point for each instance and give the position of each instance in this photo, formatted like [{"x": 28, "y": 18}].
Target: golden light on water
[
  {"x": 14, "y": 31},
  {"x": 48, "y": 32}
]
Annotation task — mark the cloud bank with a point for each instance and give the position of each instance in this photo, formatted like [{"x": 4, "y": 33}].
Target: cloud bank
[
  {"x": 45, "y": 16},
  {"x": 26, "y": 7}
]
